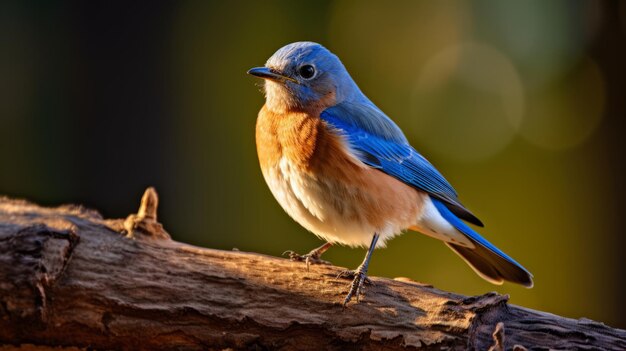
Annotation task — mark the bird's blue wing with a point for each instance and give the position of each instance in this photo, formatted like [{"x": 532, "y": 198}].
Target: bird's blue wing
[{"x": 379, "y": 143}]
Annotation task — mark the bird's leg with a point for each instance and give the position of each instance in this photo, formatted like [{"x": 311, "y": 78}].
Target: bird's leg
[
  {"x": 360, "y": 274},
  {"x": 312, "y": 257}
]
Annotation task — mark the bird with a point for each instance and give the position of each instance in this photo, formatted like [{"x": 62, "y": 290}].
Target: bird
[{"x": 342, "y": 169}]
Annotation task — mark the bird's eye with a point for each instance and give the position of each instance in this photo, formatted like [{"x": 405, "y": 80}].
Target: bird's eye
[{"x": 306, "y": 71}]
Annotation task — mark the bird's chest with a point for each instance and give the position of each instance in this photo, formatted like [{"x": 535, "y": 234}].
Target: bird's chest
[
  {"x": 292, "y": 149},
  {"x": 291, "y": 137},
  {"x": 317, "y": 181},
  {"x": 304, "y": 166}
]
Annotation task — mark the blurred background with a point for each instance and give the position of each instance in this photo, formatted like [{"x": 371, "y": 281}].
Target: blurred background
[{"x": 520, "y": 104}]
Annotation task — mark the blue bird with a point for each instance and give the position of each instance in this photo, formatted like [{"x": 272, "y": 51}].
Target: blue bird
[{"x": 345, "y": 171}]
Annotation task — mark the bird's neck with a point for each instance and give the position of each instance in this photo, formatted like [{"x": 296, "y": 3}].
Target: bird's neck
[
  {"x": 278, "y": 99},
  {"x": 280, "y": 103}
]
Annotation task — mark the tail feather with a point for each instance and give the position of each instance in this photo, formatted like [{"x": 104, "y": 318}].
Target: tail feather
[
  {"x": 492, "y": 267},
  {"x": 485, "y": 259}
]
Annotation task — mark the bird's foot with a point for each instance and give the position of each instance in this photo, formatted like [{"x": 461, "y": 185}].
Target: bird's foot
[
  {"x": 359, "y": 278},
  {"x": 312, "y": 257}
]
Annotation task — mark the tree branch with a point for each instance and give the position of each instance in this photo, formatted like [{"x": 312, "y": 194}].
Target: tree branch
[{"x": 70, "y": 278}]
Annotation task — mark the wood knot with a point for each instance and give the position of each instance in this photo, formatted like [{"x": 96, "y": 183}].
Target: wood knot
[
  {"x": 145, "y": 221},
  {"x": 498, "y": 338},
  {"x": 38, "y": 256},
  {"x": 149, "y": 204}
]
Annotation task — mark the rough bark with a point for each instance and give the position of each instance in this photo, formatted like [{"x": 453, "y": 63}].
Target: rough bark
[{"x": 70, "y": 278}]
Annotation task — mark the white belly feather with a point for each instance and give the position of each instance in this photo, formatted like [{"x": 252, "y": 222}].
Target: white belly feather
[
  {"x": 329, "y": 209},
  {"x": 314, "y": 203}
]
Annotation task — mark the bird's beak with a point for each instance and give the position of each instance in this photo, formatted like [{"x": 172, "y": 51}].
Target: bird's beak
[{"x": 268, "y": 73}]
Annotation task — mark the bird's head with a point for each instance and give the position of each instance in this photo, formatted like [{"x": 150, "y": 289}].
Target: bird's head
[{"x": 303, "y": 76}]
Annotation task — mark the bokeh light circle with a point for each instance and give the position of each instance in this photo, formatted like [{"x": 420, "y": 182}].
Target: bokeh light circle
[
  {"x": 566, "y": 112},
  {"x": 467, "y": 102}
]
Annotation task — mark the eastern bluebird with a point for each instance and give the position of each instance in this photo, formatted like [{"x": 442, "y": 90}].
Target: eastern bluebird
[{"x": 345, "y": 171}]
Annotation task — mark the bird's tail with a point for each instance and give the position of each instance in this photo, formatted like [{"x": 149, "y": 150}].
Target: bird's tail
[{"x": 487, "y": 260}]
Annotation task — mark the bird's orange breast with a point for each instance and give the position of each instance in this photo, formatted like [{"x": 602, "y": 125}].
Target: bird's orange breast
[
  {"x": 304, "y": 140},
  {"x": 324, "y": 187}
]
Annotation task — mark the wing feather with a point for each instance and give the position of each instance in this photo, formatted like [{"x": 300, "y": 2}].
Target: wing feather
[{"x": 379, "y": 143}]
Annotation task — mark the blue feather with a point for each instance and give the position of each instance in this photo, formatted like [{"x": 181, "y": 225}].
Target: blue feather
[
  {"x": 486, "y": 259},
  {"x": 465, "y": 229},
  {"x": 379, "y": 143}
]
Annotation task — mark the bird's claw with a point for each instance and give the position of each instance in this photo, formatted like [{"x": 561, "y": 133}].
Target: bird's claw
[
  {"x": 310, "y": 258},
  {"x": 359, "y": 279},
  {"x": 350, "y": 274}
]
